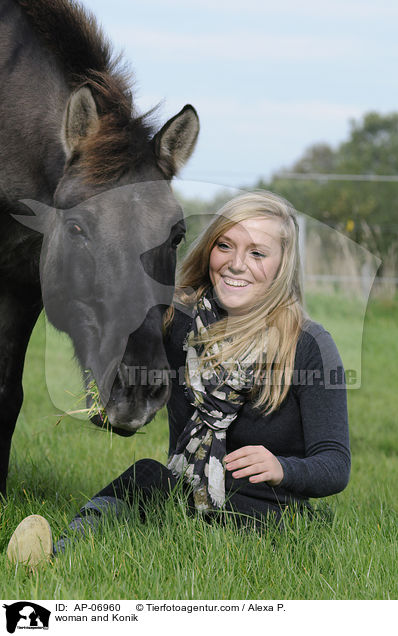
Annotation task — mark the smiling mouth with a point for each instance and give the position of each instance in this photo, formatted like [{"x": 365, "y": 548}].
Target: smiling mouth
[{"x": 231, "y": 282}]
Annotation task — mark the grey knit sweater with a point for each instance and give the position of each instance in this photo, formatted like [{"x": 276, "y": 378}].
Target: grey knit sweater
[{"x": 308, "y": 433}]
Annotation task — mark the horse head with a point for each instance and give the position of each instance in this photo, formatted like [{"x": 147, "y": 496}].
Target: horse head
[{"x": 108, "y": 262}]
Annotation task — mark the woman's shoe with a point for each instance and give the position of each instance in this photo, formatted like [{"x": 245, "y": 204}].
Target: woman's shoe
[{"x": 31, "y": 542}]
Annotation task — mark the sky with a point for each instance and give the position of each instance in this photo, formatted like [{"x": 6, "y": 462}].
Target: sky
[{"x": 268, "y": 79}]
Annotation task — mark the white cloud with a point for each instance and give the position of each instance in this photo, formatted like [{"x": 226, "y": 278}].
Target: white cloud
[
  {"x": 301, "y": 112},
  {"x": 233, "y": 46},
  {"x": 260, "y": 112},
  {"x": 344, "y": 9}
]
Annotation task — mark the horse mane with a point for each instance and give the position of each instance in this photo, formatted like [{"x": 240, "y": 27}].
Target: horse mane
[{"x": 86, "y": 57}]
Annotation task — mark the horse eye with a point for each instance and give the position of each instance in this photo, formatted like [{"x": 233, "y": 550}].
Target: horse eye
[
  {"x": 177, "y": 240},
  {"x": 75, "y": 230}
]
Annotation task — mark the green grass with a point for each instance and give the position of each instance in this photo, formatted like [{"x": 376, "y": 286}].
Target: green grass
[{"x": 349, "y": 551}]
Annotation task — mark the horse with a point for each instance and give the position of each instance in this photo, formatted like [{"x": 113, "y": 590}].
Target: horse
[{"x": 89, "y": 224}]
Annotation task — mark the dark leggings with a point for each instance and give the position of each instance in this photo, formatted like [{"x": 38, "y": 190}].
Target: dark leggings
[
  {"x": 140, "y": 482},
  {"x": 147, "y": 479}
]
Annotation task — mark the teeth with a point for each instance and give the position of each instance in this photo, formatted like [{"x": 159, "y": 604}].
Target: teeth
[{"x": 235, "y": 283}]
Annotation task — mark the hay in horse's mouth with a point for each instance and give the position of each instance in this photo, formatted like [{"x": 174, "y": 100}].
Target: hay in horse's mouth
[{"x": 94, "y": 410}]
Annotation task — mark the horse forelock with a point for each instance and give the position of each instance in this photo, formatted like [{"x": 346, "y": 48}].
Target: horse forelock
[
  {"x": 109, "y": 153},
  {"x": 122, "y": 139}
]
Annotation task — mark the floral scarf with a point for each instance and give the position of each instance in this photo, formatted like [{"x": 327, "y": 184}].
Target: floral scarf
[{"x": 217, "y": 397}]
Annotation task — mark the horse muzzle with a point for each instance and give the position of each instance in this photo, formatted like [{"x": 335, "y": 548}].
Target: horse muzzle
[{"x": 130, "y": 407}]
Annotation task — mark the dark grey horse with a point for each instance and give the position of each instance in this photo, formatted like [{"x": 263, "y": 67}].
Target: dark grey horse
[{"x": 99, "y": 245}]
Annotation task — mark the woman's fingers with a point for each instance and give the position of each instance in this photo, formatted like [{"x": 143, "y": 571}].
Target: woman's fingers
[
  {"x": 253, "y": 469},
  {"x": 241, "y": 452},
  {"x": 255, "y": 462},
  {"x": 246, "y": 456},
  {"x": 241, "y": 463},
  {"x": 257, "y": 479}
]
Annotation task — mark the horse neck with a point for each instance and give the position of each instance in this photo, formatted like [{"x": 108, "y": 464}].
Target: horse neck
[{"x": 33, "y": 96}]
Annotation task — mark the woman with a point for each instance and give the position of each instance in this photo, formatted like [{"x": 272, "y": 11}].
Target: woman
[{"x": 258, "y": 422}]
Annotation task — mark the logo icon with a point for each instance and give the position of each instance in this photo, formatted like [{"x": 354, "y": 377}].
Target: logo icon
[{"x": 26, "y": 615}]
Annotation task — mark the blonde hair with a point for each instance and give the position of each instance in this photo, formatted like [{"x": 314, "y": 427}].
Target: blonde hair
[{"x": 272, "y": 328}]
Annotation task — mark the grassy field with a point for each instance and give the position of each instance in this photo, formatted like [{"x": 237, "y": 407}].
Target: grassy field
[{"x": 349, "y": 551}]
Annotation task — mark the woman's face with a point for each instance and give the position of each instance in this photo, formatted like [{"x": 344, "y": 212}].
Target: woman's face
[{"x": 244, "y": 262}]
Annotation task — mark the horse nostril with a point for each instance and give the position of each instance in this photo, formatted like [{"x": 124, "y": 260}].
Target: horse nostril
[
  {"x": 159, "y": 390},
  {"x": 159, "y": 393}
]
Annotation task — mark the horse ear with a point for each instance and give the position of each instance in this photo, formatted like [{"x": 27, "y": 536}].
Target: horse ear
[
  {"x": 80, "y": 119},
  {"x": 175, "y": 142}
]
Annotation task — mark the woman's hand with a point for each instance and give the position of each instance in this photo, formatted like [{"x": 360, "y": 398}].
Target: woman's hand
[{"x": 255, "y": 462}]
